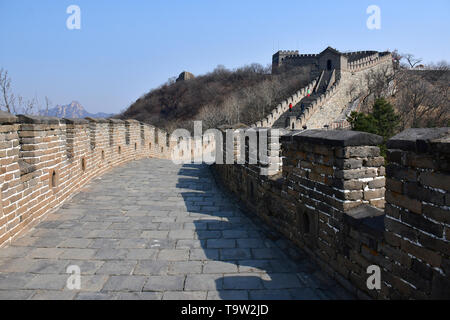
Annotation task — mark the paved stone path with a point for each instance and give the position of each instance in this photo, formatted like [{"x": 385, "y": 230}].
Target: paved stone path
[{"x": 155, "y": 230}]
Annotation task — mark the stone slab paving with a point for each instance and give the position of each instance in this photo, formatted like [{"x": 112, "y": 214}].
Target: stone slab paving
[{"x": 155, "y": 230}]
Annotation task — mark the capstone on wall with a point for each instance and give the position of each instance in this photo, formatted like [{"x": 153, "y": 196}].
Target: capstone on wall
[
  {"x": 43, "y": 161},
  {"x": 329, "y": 196}
]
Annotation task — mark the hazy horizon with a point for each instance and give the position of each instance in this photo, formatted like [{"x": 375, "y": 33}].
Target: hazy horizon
[{"x": 124, "y": 49}]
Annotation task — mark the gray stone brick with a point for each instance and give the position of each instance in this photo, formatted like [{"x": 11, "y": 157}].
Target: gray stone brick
[
  {"x": 234, "y": 234},
  {"x": 266, "y": 253},
  {"x": 190, "y": 244},
  {"x": 16, "y": 294},
  {"x": 186, "y": 267},
  {"x": 219, "y": 267},
  {"x": 48, "y": 266},
  {"x": 208, "y": 234},
  {"x": 117, "y": 267},
  {"x": 142, "y": 254},
  {"x": 153, "y": 234},
  {"x": 151, "y": 267},
  {"x": 220, "y": 243},
  {"x": 93, "y": 283},
  {"x": 47, "y": 282},
  {"x": 139, "y": 296},
  {"x": 125, "y": 283},
  {"x": 185, "y": 295},
  {"x": 250, "y": 243},
  {"x": 53, "y": 295},
  {"x": 181, "y": 234},
  {"x": 78, "y": 254},
  {"x": 282, "y": 281},
  {"x": 95, "y": 296},
  {"x": 45, "y": 253},
  {"x": 242, "y": 282},
  {"x": 203, "y": 282},
  {"x": 135, "y": 243},
  {"x": 173, "y": 255},
  {"x": 87, "y": 267},
  {"x": 235, "y": 254},
  {"x": 75, "y": 243},
  {"x": 204, "y": 254},
  {"x": 111, "y": 254},
  {"x": 16, "y": 265},
  {"x": 164, "y": 283}
]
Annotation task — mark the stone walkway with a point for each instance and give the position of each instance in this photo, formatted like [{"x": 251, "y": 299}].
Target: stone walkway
[{"x": 155, "y": 230}]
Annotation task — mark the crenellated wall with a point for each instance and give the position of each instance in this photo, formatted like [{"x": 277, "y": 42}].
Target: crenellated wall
[
  {"x": 43, "y": 161},
  {"x": 333, "y": 106},
  {"x": 347, "y": 82},
  {"x": 328, "y": 199},
  {"x": 283, "y": 107}
]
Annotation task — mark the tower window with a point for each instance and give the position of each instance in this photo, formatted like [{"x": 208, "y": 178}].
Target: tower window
[{"x": 329, "y": 65}]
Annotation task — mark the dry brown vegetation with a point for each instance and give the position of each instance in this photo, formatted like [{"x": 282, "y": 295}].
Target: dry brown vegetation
[
  {"x": 420, "y": 96},
  {"x": 220, "y": 97}
]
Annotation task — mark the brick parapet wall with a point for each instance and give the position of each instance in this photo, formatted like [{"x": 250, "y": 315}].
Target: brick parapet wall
[
  {"x": 316, "y": 105},
  {"x": 335, "y": 107},
  {"x": 329, "y": 200},
  {"x": 418, "y": 210},
  {"x": 43, "y": 161},
  {"x": 368, "y": 62},
  {"x": 283, "y": 107}
]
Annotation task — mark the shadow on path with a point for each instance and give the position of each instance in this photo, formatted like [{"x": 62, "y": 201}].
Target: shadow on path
[{"x": 240, "y": 260}]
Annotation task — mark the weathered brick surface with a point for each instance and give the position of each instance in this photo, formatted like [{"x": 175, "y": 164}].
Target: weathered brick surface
[
  {"x": 324, "y": 176},
  {"x": 321, "y": 201},
  {"x": 416, "y": 189},
  {"x": 321, "y": 195},
  {"x": 45, "y": 160}
]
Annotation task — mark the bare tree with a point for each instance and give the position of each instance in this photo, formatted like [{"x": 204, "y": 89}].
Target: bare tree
[
  {"x": 29, "y": 106},
  {"x": 411, "y": 60},
  {"x": 12, "y": 103},
  {"x": 422, "y": 101},
  {"x": 8, "y": 98},
  {"x": 212, "y": 116},
  {"x": 379, "y": 83},
  {"x": 47, "y": 105}
]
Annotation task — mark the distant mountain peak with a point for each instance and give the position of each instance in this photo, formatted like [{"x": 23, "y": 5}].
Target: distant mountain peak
[{"x": 72, "y": 110}]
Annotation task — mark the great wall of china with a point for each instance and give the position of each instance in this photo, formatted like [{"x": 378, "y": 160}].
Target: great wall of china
[{"x": 328, "y": 191}]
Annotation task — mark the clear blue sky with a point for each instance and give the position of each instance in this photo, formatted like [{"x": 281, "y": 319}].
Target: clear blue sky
[{"x": 125, "y": 48}]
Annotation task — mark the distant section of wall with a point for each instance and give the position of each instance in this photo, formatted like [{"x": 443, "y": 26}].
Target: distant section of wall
[
  {"x": 327, "y": 109},
  {"x": 328, "y": 199},
  {"x": 283, "y": 107},
  {"x": 44, "y": 160},
  {"x": 351, "y": 84}
]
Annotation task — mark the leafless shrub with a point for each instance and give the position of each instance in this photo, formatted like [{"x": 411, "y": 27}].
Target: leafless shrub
[
  {"x": 15, "y": 104},
  {"x": 222, "y": 96}
]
